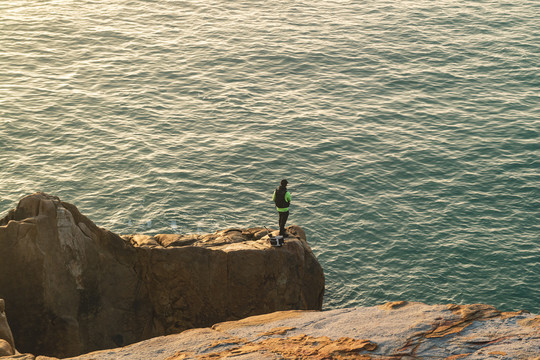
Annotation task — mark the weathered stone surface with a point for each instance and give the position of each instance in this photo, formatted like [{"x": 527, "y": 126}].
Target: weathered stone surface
[
  {"x": 7, "y": 345},
  {"x": 397, "y": 331},
  {"x": 72, "y": 287}
]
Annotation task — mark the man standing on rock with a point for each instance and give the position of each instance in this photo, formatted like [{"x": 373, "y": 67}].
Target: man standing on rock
[{"x": 282, "y": 199}]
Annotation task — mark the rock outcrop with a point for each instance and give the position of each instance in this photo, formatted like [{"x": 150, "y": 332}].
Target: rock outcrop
[
  {"x": 394, "y": 331},
  {"x": 72, "y": 287}
]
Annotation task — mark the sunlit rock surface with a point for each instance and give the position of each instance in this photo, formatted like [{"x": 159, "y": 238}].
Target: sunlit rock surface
[
  {"x": 71, "y": 287},
  {"x": 392, "y": 331}
]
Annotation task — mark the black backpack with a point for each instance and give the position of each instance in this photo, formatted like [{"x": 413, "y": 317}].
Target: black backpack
[{"x": 280, "y": 198}]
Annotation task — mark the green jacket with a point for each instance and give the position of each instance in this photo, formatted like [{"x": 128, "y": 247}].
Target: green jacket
[{"x": 287, "y": 198}]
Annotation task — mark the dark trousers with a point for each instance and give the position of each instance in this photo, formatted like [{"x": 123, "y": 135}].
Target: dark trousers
[{"x": 283, "y": 216}]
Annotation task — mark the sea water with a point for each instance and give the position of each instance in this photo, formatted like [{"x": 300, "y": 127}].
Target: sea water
[{"x": 408, "y": 131}]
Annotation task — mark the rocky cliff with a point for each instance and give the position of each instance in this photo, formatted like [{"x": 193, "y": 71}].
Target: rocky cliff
[
  {"x": 71, "y": 287},
  {"x": 394, "y": 331}
]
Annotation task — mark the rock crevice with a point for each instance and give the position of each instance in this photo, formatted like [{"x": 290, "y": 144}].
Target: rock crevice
[{"x": 7, "y": 345}]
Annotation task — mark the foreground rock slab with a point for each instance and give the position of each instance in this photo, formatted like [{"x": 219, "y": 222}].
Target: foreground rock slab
[
  {"x": 71, "y": 287},
  {"x": 392, "y": 331}
]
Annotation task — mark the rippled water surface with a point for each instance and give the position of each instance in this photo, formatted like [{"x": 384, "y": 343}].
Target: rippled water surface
[{"x": 408, "y": 130}]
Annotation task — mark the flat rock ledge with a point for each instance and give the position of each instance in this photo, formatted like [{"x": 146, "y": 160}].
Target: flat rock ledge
[
  {"x": 398, "y": 330},
  {"x": 71, "y": 287}
]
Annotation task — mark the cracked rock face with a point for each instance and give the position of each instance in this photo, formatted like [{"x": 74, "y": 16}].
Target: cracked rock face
[{"x": 72, "y": 287}]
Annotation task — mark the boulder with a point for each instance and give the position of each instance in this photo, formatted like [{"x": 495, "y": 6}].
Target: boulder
[{"x": 72, "y": 287}]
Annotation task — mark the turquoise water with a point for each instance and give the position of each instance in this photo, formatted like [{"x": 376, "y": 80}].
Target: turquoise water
[{"x": 413, "y": 127}]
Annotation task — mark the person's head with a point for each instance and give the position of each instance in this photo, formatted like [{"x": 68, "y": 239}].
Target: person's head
[{"x": 284, "y": 182}]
